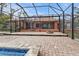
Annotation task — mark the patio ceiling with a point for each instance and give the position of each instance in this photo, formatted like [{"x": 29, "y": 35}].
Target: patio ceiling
[{"x": 42, "y": 9}]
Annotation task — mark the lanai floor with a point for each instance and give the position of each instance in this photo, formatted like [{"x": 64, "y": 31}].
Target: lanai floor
[{"x": 49, "y": 45}]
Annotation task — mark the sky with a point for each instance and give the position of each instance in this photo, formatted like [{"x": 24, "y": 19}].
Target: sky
[{"x": 41, "y": 10}]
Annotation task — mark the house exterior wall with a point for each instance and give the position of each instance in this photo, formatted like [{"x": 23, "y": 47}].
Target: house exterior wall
[
  {"x": 54, "y": 27},
  {"x": 37, "y": 25}
]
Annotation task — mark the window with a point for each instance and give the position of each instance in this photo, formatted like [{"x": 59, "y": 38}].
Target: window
[
  {"x": 37, "y": 25},
  {"x": 46, "y": 26}
]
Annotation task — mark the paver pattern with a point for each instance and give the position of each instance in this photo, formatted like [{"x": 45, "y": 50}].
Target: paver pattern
[{"x": 49, "y": 46}]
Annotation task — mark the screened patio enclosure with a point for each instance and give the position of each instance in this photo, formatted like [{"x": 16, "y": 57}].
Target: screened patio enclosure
[{"x": 38, "y": 17}]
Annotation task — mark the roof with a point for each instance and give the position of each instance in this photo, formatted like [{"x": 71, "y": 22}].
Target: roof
[{"x": 43, "y": 18}]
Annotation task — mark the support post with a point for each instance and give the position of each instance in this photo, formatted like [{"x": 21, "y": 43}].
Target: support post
[
  {"x": 24, "y": 23},
  {"x": 19, "y": 22},
  {"x": 72, "y": 20},
  {"x": 15, "y": 26},
  {"x": 63, "y": 22},
  {"x": 10, "y": 19},
  {"x": 59, "y": 24},
  {"x": 19, "y": 25}
]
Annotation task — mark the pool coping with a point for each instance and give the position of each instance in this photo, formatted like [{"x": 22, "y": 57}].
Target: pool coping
[{"x": 33, "y": 51}]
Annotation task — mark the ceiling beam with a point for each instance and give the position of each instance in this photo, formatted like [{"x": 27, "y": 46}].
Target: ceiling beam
[
  {"x": 67, "y": 7},
  {"x": 23, "y": 9},
  {"x": 54, "y": 10},
  {"x": 35, "y": 8},
  {"x": 59, "y": 7}
]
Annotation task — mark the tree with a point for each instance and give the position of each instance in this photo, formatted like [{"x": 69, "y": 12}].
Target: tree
[
  {"x": 2, "y": 5},
  {"x": 3, "y": 17}
]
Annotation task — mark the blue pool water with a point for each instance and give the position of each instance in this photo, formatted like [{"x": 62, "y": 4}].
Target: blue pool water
[{"x": 12, "y": 52}]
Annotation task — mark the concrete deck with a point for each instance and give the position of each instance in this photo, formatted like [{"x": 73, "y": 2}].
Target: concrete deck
[
  {"x": 49, "y": 45},
  {"x": 37, "y": 34}
]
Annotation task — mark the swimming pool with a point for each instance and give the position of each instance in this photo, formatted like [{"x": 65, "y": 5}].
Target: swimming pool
[{"x": 13, "y": 52}]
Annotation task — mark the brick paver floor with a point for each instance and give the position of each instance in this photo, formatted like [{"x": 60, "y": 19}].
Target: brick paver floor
[{"x": 49, "y": 46}]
